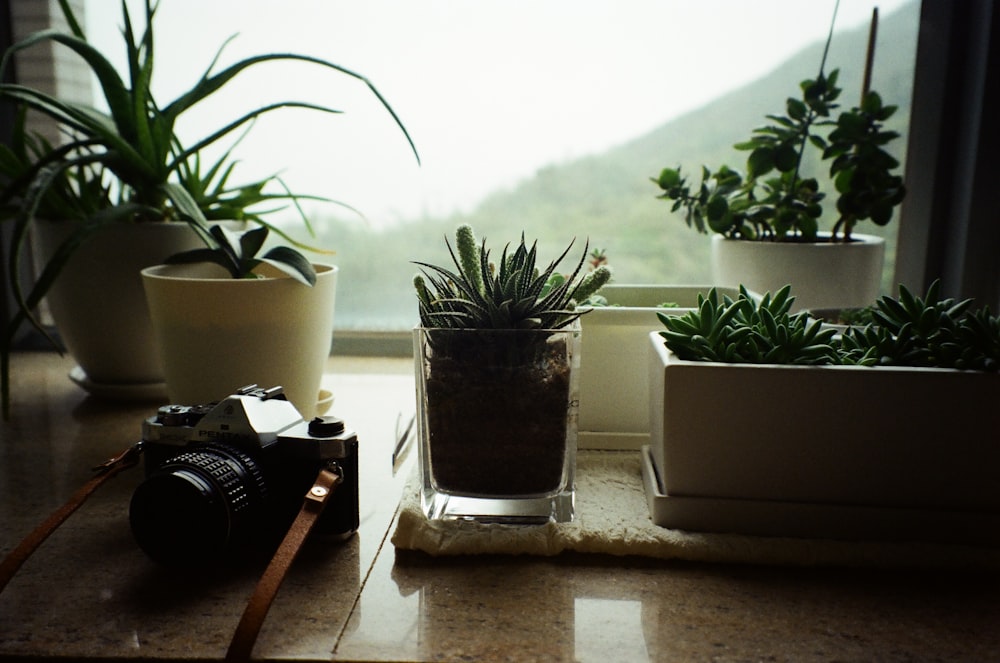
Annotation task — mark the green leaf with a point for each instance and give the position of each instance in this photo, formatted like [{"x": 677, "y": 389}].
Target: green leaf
[
  {"x": 716, "y": 210},
  {"x": 669, "y": 178},
  {"x": 292, "y": 263},
  {"x": 786, "y": 158},
  {"x": 208, "y": 84},
  {"x": 252, "y": 241},
  {"x": 796, "y": 109},
  {"x": 842, "y": 182},
  {"x": 760, "y": 161}
]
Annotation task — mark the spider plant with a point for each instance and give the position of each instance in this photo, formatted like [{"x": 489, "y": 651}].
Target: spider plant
[{"x": 133, "y": 151}]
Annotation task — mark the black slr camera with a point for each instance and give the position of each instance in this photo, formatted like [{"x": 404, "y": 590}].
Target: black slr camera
[{"x": 233, "y": 474}]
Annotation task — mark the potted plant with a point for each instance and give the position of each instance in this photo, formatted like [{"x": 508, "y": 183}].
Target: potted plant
[
  {"x": 614, "y": 391},
  {"x": 133, "y": 153},
  {"x": 766, "y": 221},
  {"x": 224, "y": 317},
  {"x": 765, "y": 421},
  {"x": 496, "y": 355}
]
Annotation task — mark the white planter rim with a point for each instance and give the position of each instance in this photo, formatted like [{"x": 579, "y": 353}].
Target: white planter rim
[
  {"x": 672, "y": 358},
  {"x": 210, "y": 272},
  {"x": 646, "y": 292},
  {"x": 572, "y": 327},
  {"x": 858, "y": 239}
]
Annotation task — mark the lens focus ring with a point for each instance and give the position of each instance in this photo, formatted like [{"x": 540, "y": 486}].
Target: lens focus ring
[
  {"x": 233, "y": 473},
  {"x": 197, "y": 504}
]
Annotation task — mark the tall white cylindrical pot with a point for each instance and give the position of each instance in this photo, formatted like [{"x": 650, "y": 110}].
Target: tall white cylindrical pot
[
  {"x": 97, "y": 301},
  {"x": 823, "y": 275},
  {"x": 217, "y": 334}
]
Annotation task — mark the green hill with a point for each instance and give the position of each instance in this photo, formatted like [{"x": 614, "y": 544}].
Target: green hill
[{"x": 608, "y": 197}]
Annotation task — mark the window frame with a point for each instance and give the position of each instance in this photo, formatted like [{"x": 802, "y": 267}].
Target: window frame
[
  {"x": 948, "y": 228},
  {"x": 948, "y": 225}
]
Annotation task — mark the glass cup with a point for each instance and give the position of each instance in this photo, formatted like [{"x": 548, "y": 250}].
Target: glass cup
[{"x": 497, "y": 423}]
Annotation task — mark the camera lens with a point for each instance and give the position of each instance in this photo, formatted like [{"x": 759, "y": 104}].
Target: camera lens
[{"x": 197, "y": 504}]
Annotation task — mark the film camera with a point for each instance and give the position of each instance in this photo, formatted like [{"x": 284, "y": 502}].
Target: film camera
[{"x": 233, "y": 474}]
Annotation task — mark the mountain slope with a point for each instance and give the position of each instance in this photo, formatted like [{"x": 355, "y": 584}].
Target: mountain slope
[{"x": 608, "y": 197}]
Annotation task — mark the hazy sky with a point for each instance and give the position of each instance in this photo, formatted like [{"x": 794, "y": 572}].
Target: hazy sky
[{"x": 490, "y": 90}]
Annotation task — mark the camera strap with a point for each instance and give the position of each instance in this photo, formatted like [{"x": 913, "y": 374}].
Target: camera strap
[
  {"x": 315, "y": 501},
  {"x": 257, "y": 608},
  {"x": 107, "y": 470}
]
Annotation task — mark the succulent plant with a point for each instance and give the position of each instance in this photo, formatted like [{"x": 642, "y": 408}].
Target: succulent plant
[
  {"x": 237, "y": 254},
  {"x": 510, "y": 294},
  {"x": 906, "y": 331},
  {"x": 927, "y": 331},
  {"x": 748, "y": 331},
  {"x": 485, "y": 303}
]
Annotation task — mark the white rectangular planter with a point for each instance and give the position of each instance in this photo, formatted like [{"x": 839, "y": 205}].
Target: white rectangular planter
[
  {"x": 614, "y": 389},
  {"x": 803, "y": 450}
]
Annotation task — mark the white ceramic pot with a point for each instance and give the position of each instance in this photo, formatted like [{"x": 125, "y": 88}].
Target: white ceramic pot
[
  {"x": 816, "y": 450},
  {"x": 217, "y": 334},
  {"x": 97, "y": 302},
  {"x": 827, "y": 275}
]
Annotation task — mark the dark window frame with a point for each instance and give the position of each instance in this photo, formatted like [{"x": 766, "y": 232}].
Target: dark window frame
[{"x": 949, "y": 225}]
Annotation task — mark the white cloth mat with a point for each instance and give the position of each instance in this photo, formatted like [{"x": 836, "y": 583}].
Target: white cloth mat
[{"x": 612, "y": 518}]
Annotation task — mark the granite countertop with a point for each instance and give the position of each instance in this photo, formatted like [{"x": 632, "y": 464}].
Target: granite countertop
[{"x": 90, "y": 593}]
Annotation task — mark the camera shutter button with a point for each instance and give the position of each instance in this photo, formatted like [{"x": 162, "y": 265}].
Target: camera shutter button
[{"x": 326, "y": 426}]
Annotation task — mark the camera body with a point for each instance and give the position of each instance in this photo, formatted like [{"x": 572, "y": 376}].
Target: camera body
[{"x": 233, "y": 474}]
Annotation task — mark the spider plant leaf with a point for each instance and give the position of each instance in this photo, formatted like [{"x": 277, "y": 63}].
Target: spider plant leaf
[
  {"x": 74, "y": 24},
  {"x": 111, "y": 84},
  {"x": 189, "y": 209},
  {"x": 210, "y": 83},
  {"x": 139, "y": 128},
  {"x": 121, "y": 156},
  {"x": 237, "y": 123}
]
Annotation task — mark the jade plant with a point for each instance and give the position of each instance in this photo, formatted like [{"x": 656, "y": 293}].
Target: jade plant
[
  {"x": 775, "y": 199},
  {"x": 909, "y": 330}
]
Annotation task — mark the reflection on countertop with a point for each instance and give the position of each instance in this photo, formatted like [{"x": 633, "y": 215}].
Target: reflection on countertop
[{"x": 90, "y": 593}]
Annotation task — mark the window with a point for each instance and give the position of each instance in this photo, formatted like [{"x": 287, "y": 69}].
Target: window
[
  {"x": 549, "y": 117},
  {"x": 552, "y": 116}
]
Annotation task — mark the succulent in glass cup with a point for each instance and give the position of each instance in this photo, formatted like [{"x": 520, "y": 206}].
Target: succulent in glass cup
[{"x": 497, "y": 353}]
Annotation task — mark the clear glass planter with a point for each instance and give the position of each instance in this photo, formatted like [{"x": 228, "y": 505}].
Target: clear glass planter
[{"x": 497, "y": 423}]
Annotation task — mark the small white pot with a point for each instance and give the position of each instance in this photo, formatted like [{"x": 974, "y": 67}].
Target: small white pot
[
  {"x": 217, "y": 334},
  {"x": 97, "y": 302},
  {"x": 828, "y": 275},
  {"x": 614, "y": 389}
]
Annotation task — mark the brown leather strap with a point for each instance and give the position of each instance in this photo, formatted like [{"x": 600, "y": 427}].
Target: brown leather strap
[
  {"x": 243, "y": 640},
  {"x": 110, "y": 468}
]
